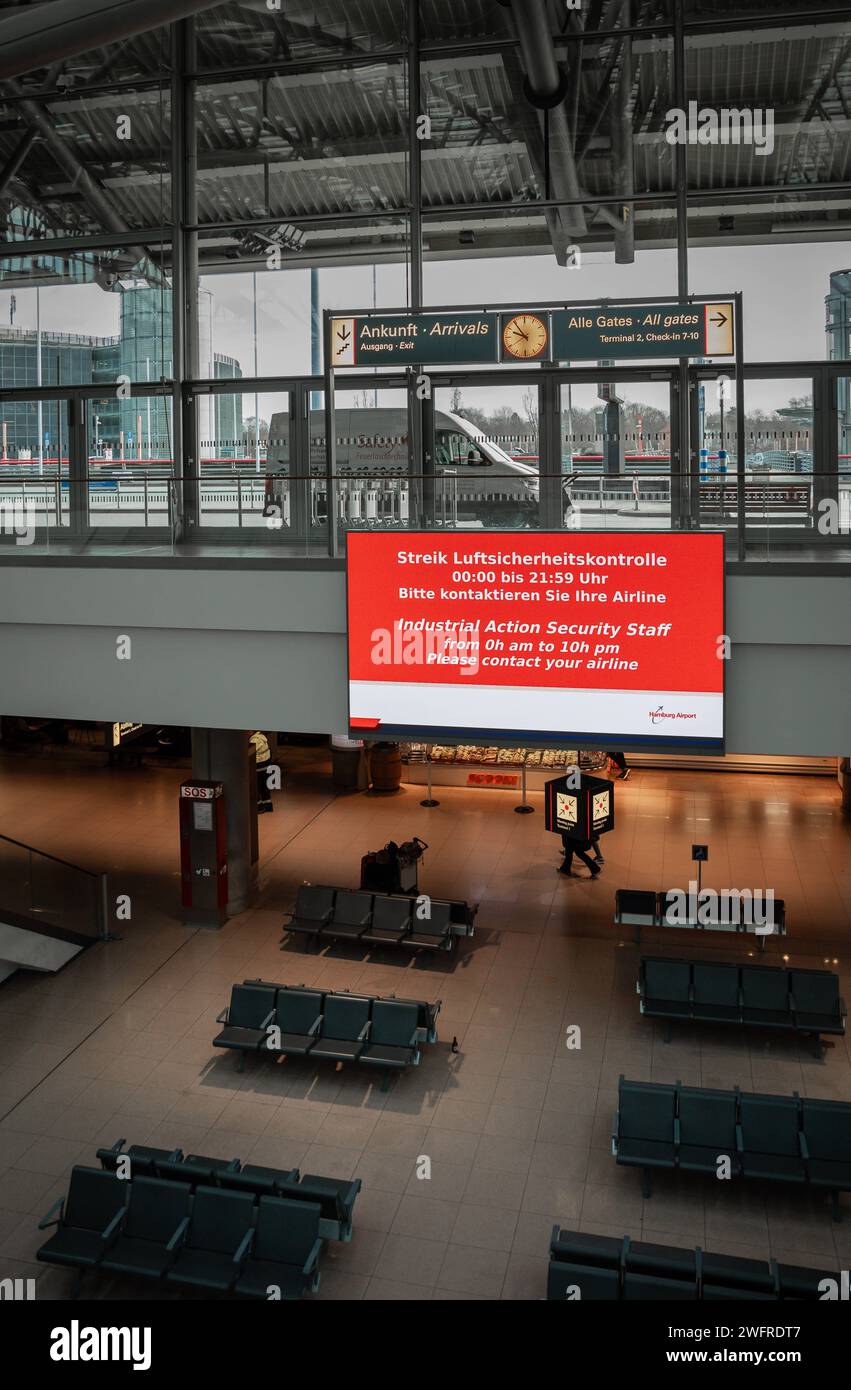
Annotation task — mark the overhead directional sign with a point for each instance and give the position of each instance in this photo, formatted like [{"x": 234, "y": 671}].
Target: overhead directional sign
[
  {"x": 644, "y": 330},
  {"x": 599, "y": 333},
  {"x": 413, "y": 340}
]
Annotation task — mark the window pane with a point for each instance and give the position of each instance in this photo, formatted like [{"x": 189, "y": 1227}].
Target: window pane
[
  {"x": 240, "y": 33},
  {"x": 269, "y": 322},
  {"x": 119, "y": 307},
  {"x": 97, "y": 164},
  {"x": 319, "y": 142}
]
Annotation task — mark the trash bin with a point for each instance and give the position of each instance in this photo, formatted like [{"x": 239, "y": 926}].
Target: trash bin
[{"x": 347, "y": 763}]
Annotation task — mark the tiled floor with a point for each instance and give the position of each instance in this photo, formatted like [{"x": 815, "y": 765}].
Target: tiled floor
[{"x": 517, "y": 1127}]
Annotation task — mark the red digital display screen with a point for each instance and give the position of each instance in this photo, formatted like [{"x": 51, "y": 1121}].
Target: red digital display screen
[{"x": 544, "y": 636}]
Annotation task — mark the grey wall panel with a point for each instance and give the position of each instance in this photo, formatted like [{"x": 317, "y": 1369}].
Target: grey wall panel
[
  {"x": 784, "y": 609},
  {"x": 780, "y": 699},
  {"x": 212, "y": 680},
  {"x": 789, "y": 699},
  {"x": 810, "y": 610},
  {"x": 265, "y": 648},
  {"x": 263, "y": 600}
]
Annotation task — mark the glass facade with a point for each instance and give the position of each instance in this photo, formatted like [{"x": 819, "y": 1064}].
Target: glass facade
[{"x": 402, "y": 154}]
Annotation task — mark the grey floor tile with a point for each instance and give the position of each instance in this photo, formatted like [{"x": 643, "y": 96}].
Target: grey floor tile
[
  {"x": 491, "y": 1228},
  {"x": 473, "y": 1270},
  {"x": 428, "y": 1217},
  {"x": 412, "y": 1260}
]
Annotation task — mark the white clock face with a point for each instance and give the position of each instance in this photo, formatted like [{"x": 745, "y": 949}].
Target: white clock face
[{"x": 525, "y": 336}]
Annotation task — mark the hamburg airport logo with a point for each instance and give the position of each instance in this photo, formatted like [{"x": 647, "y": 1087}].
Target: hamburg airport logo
[{"x": 660, "y": 715}]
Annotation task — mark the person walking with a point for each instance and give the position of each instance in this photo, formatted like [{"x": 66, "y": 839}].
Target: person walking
[
  {"x": 595, "y": 849},
  {"x": 263, "y": 759},
  {"x": 619, "y": 761},
  {"x": 580, "y": 848}
]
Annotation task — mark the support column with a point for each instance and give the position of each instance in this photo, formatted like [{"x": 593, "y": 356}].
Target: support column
[
  {"x": 187, "y": 364},
  {"x": 683, "y": 482},
  {"x": 225, "y": 755}
]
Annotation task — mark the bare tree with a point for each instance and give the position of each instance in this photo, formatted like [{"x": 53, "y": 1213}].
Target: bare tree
[{"x": 530, "y": 412}]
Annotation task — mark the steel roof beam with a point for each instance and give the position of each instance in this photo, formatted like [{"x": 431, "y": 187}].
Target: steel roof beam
[{"x": 42, "y": 34}]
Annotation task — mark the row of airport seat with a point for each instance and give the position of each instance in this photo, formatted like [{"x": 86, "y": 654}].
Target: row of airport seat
[
  {"x": 203, "y": 1238},
  {"x": 322, "y": 913},
  {"x": 763, "y": 996},
  {"x": 639, "y": 907},
  {"x": 734, "y": 1133},
  {"x": 584, "y": 1266},
  {"x": 334, "y": 1196},
  {"x": 295, "y": 1021}
]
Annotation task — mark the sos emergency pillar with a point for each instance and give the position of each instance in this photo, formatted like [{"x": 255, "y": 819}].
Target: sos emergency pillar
[
  {"x": 203, "y": 853},
  {"x": 227, "y": 756}
]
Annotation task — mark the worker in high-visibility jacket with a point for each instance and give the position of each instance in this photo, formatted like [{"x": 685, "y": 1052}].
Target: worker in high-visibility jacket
[{"x": 263, "y": 760}]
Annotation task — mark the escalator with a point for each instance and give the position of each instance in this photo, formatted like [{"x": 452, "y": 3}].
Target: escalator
[{"x": 50, "y": 910}]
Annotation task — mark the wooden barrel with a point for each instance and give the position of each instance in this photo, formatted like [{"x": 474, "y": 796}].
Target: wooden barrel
[{"x": 386, "y": 767}]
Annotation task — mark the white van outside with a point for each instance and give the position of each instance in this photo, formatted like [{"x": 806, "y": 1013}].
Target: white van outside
[{"x": 476, "y": 483}]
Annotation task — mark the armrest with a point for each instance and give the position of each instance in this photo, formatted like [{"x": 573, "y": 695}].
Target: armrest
[
  {"x": 294, "y": 1175},
  {"x": 316, "y": 1025},
  {"x": 677, "y": 1131},
  {"x": 740, "y": 1140},
  {"x": 117, "y": 1146},
  {"x": 413, "y": 1040},
  {"x": 233, "y": 1166},
  {"x": 113, "y": 1225},
  {"x": 364, "y": 1032},
  {"x": 177, "y": 1238},
  {"x": 268, "y": 1019},
  {"x": 243, "y": 1247},
  {"x": 843, "y": 1008},
  {"x": 48, "y": 1219},
  {"x": 223, "y": 1016},
  {"x": 617, "y": 1125},
  {"x": 351, "y": 1192},
  {"x": 802, "y": 1144},
  {"x": 312, "y": 1259}
]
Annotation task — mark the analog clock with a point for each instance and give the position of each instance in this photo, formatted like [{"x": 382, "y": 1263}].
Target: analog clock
[{"x": 525, "y": 336}]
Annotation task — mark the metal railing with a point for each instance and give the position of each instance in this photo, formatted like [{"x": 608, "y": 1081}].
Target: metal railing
[
  {"x": 50, "y": 891},
  {"x": 767, "y": 504}
]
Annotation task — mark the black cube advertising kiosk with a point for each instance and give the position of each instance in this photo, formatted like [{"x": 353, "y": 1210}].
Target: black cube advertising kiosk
[{"x": 580, "y": 806}]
